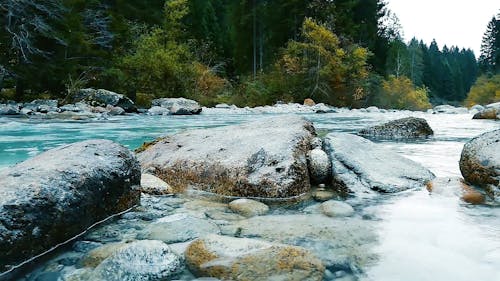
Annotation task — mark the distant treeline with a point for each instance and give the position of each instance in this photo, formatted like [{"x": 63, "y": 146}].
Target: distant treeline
[{"x": 247, "y": 52}]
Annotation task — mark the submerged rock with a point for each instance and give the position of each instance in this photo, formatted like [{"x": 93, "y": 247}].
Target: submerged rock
[
  {"x": 480, "y": 162},
  {"x": 405, "y": 128},
  {"x": 178, "y": 106},
  {"x": 230, "y": 258},
  {"x": 334, "y": 208},
  {"x": 361, "y": 166},
  {"x": 248, "y": 207},
  {"x": 140, "y": 260},
  {"x": 455, "y": 187},
  {"x": 322, "y": 195},
  {"x": 338, "y": 242},
  {"x": 264, "y": 158},
  {"x": 58, "y": 194},
  {"x": 178, "y": 228}
]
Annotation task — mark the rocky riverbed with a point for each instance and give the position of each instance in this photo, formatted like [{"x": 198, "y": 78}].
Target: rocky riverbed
[{"x": 352, "y": 233}]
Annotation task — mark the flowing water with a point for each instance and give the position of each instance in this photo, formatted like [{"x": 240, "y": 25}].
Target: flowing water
[{"x": 420, "y": 236}]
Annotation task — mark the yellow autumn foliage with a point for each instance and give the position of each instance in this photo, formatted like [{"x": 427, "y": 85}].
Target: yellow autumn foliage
[
  {"x": 400, "y": 93},
  {"x": 486, "y": 90}
]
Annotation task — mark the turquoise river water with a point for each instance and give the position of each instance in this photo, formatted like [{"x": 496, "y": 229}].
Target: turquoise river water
[{"x": 421, "y": 236}]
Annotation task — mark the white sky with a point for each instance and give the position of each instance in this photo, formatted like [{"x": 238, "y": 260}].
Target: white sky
[{"x": 452, "y": 22}]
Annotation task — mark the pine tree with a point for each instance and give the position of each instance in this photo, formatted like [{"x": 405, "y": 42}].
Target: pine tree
[{"x": 490, "y": 48}]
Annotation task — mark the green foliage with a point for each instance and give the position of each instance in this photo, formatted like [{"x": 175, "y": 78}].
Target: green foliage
[
  {"x": 249, "y": 52},
  {"x": 318, "y": 67},
  {"x": 400, "y": 93},
  {"x": 486, "y": 90},
  {"x": 158, "y": 65}
]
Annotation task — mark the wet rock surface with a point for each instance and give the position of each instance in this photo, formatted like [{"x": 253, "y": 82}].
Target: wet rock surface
[
  {"x": 230, "y": 258},
  {"x": 405, "y": 128},
  {"x": 58, "y": 194},
  {"x": 480, "y": 162},
  {"x": 265, "y": 158},
  {"x": 361, "y": 166}
]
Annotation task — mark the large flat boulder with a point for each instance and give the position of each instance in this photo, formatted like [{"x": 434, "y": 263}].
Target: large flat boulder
[
  {"x": 264, "y": 158},
  {"x": 361, "y": 166},
  {"x": 480, "y": 162},
  {"x": 59, "y": 193},
  {"x": 230, "y": 258},
  {"x": 404, "y": 128}
]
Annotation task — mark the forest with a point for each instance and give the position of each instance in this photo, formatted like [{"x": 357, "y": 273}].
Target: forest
[{"x": 246, "y": 52}]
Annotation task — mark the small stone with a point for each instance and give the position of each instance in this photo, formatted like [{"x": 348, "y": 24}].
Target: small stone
[
  {"x": 336, "y": 209},
  {"x": 153, "y": 185},
  {"x": 322, "y": 195},
  {"x": 320, "y": 166},
  {"x": 248, "y": 207},
  {"x": 309, "y": 102}
]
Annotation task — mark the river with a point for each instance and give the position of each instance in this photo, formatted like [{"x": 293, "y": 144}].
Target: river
[{"x": 421, "y": 236}]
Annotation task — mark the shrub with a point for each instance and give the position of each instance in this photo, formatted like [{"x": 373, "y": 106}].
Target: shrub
[
  {"x": 400, "y": 93},
  {"x": 486, "y": 90}
]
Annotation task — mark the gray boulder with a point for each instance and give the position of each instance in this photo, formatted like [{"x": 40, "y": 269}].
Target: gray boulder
[
  {"x": 158, "y": 110},
  {"x": 178, "y": 106},
  {"x": 404, "y": 128},
  {"x": 58, "y": 194},
  {"x": 103, "y": 98},
  {"x": 491, "y": 111},
  {"x": 140, "y": 260},
  {"x": 42, "y": 106},
  {"x": 9, "y": 109},
  {"x": 264, "y": 158},
  {"x": 480, "y": 162},
  {"x": 361, "y": 166},
  {"x": 449, "y": 109}
]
